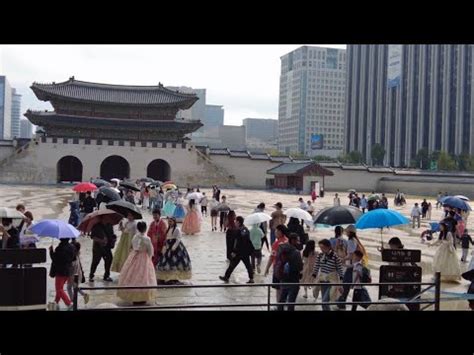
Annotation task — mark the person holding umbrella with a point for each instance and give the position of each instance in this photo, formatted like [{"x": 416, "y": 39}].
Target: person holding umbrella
[
  {"x": 128, "y": 229},
  {"x": 61, "y": 267},
  {"x": 104, "y": 241}
]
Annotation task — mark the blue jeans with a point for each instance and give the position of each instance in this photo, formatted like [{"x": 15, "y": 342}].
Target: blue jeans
[
  {"x": 272, "y": 236},
  {"x": 326, "y": 292},
  {"x": 288, "y": 294},
  {"x": 346, "y": 279}
]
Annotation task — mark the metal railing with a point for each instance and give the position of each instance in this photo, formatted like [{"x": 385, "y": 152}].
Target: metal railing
[{"x": 436, "y": 284}]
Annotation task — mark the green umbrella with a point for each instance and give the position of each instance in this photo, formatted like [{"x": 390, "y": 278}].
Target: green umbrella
[{"x": 373, "y": 197}]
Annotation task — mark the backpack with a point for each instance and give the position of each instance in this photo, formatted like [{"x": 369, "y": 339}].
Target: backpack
[{"x": 366, "y": 278}]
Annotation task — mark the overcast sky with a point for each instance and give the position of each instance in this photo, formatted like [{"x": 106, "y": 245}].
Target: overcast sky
[{"x": 242, "y": 78}]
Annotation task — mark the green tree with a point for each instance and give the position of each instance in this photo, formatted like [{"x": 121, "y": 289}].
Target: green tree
[
  {"x": 378, "y": 153},
  {"x": 323, "y": 158},
  {"x": 446, "y": 162},
  {"x": 355, "y": 157},
  {"x": 422, "y": 159}
]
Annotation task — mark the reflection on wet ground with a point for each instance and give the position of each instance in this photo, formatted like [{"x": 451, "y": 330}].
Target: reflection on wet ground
[{"x": 207, "y": 250}]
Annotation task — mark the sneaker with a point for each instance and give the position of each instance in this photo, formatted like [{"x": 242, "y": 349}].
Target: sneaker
[
  {"x": 70, "y": 308},
  {"x": 223, "y": 279},
  {"x": 86, "y": 298},
  {"x": 108, "y": 279},
  {"x": 251, "y": 281}
]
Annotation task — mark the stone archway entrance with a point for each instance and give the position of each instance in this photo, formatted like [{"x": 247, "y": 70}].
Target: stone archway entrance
[
  {"x": 159, "y": 169},
  {"x": 115, "y": 167},
  {"x": 69, "y": 169}
]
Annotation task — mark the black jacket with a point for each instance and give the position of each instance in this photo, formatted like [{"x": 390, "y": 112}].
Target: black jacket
[
  {"x": 14, "y": 240},
  {"x": 88, "y": 205},
  {"x": 104, "y": 231},
  {"x": 62, "y": 258},
  {"x": 296, "y": 228},
  {"x": 291, "y": 263},
  {"x": 243, "y": 245},
  {"x": 465, "y": 241}
]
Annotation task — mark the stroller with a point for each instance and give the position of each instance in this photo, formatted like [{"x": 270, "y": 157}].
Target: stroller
[{"x": 74, "y": 217}]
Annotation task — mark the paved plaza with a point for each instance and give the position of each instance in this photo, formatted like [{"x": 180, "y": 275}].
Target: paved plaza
[{"x": 207, "y": 250}]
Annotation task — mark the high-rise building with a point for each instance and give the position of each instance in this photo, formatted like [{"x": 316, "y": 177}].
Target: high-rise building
[
  {"x": 5, "y": 108},
  {"x": 198, "y": 110},
  {"x": 16, "y": 114},
  {"x": 264, "y": 129},
  {"x": 26, "y": 129},
  {"x": 409, "y": 97},
  {"x": 214, "y": 116},
  {"x": 312, "y": 98}
]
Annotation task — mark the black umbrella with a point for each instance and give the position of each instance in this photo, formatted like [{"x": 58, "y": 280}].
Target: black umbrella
[
  {"x": 146, "y": 179},
  {"x": 468, "y": 275},
  {"x": 124, "y": 208},
  {"x": 110, "y": 193},
  {"x": 337, "y": 215},
  {"x": 129, "y": 185},
  {"x": 100, "y": 182}
]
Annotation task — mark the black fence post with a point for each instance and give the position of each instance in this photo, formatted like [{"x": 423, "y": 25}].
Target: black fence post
[
  {"x": 437, "y": 290},
  {"x": 76, "y": 292}
]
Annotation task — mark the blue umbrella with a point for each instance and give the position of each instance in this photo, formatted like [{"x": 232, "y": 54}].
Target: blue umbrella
[
  {"x": 381, "y": 218},
  {"x": 55, "y": 228},
  {"x": 434, "y": 226},
  {"x": 455, "y": 202}
]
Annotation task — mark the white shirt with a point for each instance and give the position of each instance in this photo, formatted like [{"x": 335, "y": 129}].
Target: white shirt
[
  {"x": 141, "y": 242},
  {"x": 303, "y": 205},
  {"x": 337, "y": 201},
  {"x": 416, "y": 212}
]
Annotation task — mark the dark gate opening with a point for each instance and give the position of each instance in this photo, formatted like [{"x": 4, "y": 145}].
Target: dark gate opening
[
  {"x": 114, "y": 167},
  {"x": 69, "y": 169},
  {"x": 159, "y": 169}
]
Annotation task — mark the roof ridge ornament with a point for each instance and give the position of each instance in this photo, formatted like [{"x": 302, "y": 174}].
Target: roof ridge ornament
[{"x": 71, "y": 78}]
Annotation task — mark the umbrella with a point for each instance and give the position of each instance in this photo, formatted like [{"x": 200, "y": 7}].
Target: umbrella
[
  {"x": 84, "y": 187},
  {"x": 299, "y": 214},
  {"x": 167, "y": 186},
  {"x": 468, "y": 275},
  {"x": 462, "y": 197},
  {"x": 194, "y": 196},
  {"x": 352, "y": 190},
  {"x": 168, "y": 182},
  {"x": 256, "y": 218},
  {"x": 373, "y": 197},
  {"x": 455, "y": 202},
  {"x": 100, "y": 182},
  {"x": 338, "y": 215},
  {"x": 146, "y": 179},
  {"x": 124, "y": 208},
  {"x": 130, "y": 186},
  {"x": 434, "y": 226},
  {"x": 6, "y": 212},
  {"x": 92, "y": 219},
  {"x": 110, "y": 192},
  {"x": 381, "y": 218},
  {"x": 55, "y": 228}
]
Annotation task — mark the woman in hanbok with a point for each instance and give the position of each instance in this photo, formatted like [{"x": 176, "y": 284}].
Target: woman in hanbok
[
  {"x": 192, "y": 221},
  {"x": 169, "y": 207},
  {"x": 138, "y": 269},
  {"x": 174, "y": 264},
  {"x": 124, "y": 246},
  {"x": 179, "y": 212},
  {"x": 445, "y": 259}
]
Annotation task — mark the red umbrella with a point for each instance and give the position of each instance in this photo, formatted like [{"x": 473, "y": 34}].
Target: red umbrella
[{"x": 84, "y": 187}]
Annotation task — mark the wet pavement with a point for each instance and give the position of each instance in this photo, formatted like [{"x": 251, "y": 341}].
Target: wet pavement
[{"x": 207, "y": 250}]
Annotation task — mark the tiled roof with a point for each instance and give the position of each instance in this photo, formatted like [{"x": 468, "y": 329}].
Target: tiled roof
[
  {"x": 218, "y": 151},
  {"x": 380, "y": 170},
  {"x": 239, "y": 153},
  {"x": 353, "y": 167},
  {"x": 259, "y": 156},
  {"x": 116, "y": 94},
  {"x": 293, "y": 168},
  {"x": 281, "y": 158}
]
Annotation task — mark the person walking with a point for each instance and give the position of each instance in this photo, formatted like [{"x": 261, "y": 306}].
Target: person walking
[
  {"x": 360, "y": 274},
  {"x": 363, "y": 203},
  {"x": 282, "y": 234},
  {"x": 231, "y": 234},
  {"x": 327, "y": 269},
  {"x": 104, "y": 241},
  {"x": 157, "y": 235},
  {"x": 445, "y": 259},
  {"x": 424, "y": 208},
  {"x": 314, "y": 195},
  {"x": 213, "y": 205},
  {"x": 175, "y": 263},
  {"x": 204, "y": 203},
  {"x": 465, "y": 241},
  {"x": 256, "y": 235},
  {"x": 138, "y": 269},
  {"x": 428, "y": 212},
  {"x": 192, "y": 220},
  {"x": 309, "y": 258},
  {"x": 415, "y": 215},
  {"x": 224, "y": 209},
  {"x": 278, "y": 217},
  {"x": 290, "y": 270},
  {"x": 241, "y": 251},
  {"x": 263, "y": 226},
  {"x": 336, "y": 200},
  {"x": 76, "y": 269},
  {"x": 62, "y": 258}
]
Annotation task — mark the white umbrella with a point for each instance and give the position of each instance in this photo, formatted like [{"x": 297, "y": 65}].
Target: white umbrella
[
  {"x": 194, "y": 196},
  {"x": 462, "y": 197},
  {"x": 256, "y": 218},
  {"x": 6, "y": 212},
  {"x": 299, "y": 214}
]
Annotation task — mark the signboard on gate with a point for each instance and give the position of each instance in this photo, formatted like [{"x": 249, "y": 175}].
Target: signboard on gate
[{"x": 398, "y": 274}]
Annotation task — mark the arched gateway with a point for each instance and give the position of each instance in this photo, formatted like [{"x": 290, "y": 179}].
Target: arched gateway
[
  {"x": 115, "y": 167},
  {"x": 159, "y": 169},
  {"x": 69, "y": 169}
]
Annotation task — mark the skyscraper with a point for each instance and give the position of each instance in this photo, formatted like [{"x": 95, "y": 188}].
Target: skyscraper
[
  {"x": 214, "y": 116},
  {"x": 409, "y": 97},
  {"x": 16, "y": 114},
  {"x": 5, "y": 108},
  {"x": 312, "y": 95},
  {"x": 264, "y": 129}
]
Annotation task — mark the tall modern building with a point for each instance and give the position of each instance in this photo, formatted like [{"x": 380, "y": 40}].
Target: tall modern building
[
  {"x": 16, "y": 114},
  {"x": 198, "y": 110},
  {"x": 264, "y": 129},
  {"x": 214, "y": 116},
  {"x": 26, "y": 129},
  {"x": 5, "y": 108},
  {"x": 312, "y": 98},
  {"x": 409, "y": 97}
]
